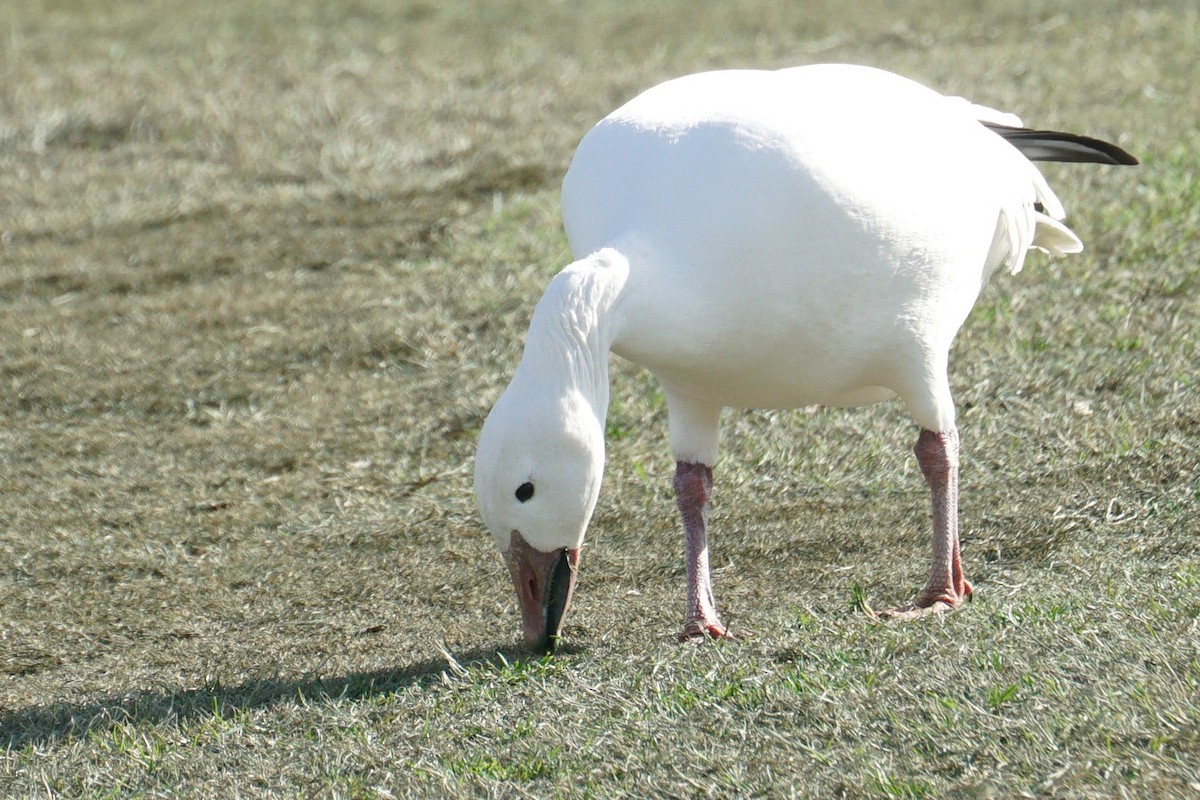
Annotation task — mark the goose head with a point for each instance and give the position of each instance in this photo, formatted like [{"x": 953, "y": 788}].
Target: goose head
[{"x": 538, "y": 468}]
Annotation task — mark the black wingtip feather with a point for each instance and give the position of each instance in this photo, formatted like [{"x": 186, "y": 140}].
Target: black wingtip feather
[{"x": 1059, "y": 146}]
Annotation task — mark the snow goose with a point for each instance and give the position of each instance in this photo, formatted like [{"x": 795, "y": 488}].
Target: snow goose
[{"x": 758, "y": 239}]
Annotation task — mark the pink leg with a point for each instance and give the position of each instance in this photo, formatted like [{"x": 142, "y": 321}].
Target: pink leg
[
  {"x": 946, "y": 589},
  {"x": 693, "y": 485}
]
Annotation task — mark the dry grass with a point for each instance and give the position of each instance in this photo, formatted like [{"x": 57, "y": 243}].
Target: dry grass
[{"x": 263, "y": 269}]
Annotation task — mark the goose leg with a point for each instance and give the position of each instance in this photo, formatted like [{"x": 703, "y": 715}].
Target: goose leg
[
  {"x": 946, "y": 589},
  {"x": 693, "y": 486}
]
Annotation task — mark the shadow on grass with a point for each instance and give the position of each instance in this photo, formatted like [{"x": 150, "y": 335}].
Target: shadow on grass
[{"x": 40, "y": 725}]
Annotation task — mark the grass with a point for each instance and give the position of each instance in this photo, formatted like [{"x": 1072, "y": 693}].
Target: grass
[{"x": 264, "y": 268}]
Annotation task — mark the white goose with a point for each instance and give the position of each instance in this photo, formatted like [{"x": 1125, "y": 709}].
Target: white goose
[{"x": 761, "y": 240}]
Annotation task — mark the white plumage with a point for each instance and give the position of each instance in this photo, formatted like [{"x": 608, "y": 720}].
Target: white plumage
[{"x": 759, "y": 239}]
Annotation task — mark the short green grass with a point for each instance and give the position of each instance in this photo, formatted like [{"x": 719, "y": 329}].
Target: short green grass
[{"x": 263, "y": 269}]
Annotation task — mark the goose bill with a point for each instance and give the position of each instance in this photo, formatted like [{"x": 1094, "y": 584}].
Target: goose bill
[{"x": 544, "y": 584}]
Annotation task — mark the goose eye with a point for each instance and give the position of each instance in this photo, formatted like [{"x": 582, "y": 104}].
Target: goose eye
[{"x": 525, "y": 491}]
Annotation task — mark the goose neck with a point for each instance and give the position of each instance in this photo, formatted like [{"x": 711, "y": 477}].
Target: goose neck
[{"x": 574, "y": 326}]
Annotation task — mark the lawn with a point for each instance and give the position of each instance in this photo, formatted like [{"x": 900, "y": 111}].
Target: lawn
[{"x": 265, "y": 266}]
